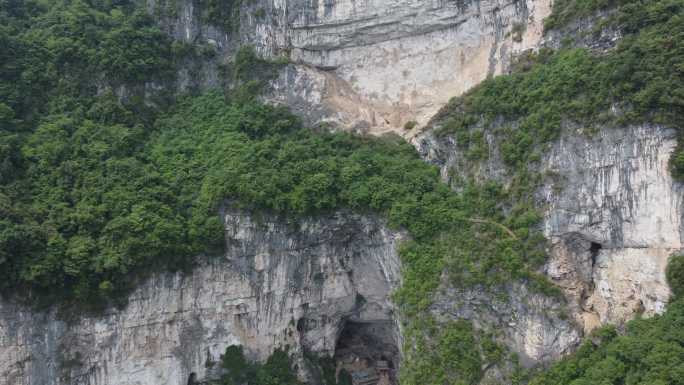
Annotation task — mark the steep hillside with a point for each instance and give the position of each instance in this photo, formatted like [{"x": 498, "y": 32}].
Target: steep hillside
[
  {"x": 367, "y": 65},
  {"x": 591, "y": 135},
  {"x": 157, "y": 212}
]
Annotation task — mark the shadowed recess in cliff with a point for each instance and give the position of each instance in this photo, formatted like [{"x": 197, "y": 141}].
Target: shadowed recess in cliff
[
  {"x": 101, "y": 193},
  {"x": 369, "y": 352},
  {"x": 592, "y": 134},
  {"x": 209, "y": 150}
]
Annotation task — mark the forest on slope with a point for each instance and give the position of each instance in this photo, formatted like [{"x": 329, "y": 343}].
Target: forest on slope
[{"x": 103, "y": 181}]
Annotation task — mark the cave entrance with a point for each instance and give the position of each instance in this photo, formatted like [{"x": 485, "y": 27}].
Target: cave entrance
[
  {"x": 594, "y": 251},
  {"x": 368, "y": 353}
]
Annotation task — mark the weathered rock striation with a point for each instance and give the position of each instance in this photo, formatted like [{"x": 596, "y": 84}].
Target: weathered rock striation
[
  {"x": 372, "y": 65},
  {"x": 533, "y": 325},
  {"x": 618, "y": 196},
  {"x": 612, "y": 213},
  {"x": 280, "y": 284},
  {"x": 320, "y": 286}
]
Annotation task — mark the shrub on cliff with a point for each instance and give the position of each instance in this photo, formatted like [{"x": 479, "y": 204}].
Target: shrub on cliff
[
  {"x": 675, "y": 274},
  {"x": 651, "y": 351},
  {"x": 277, "y": 370}
]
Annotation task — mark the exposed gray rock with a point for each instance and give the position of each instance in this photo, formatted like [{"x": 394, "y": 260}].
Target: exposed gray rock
[
  {"x": 588, "y": 32},
  {"x": 530, "y": 324},
  {"x": 613, "y": 215},
  {"x": 615, "y": 192},
  {"x": 321, "y": 285},
  {"x": 280, "y": 284}
]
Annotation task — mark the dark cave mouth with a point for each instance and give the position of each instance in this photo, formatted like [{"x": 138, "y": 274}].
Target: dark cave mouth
[
  {"x": 594, "y": 250},
  {"x": 368, "y": 352}
]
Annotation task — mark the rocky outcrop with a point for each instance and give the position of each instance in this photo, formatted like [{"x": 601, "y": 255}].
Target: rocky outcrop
[
  {"x": 370, "y": 65},
  {"x": 587, "y": 32},
  {"x": 280, "y": 284},
  {"x": 321, "y": 286},
  {"x": 534, "y": 325},
  {"x": 613, "y": 216}
]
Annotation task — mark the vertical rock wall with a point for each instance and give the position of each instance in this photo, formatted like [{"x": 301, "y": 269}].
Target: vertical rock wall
[
  {"x": 280, "y": 284},
  {"x": 612, "y": 213},
  {"x": 293, "y": 285},
  {"x": 614, "y": 216}
]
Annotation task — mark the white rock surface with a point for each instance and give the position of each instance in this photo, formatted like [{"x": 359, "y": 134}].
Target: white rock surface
[
  {"x": 388, "y": 62},
  {"x": 374, "y": 65},
  {"x": 281, "y": 284},
  {"x": 531, "y": 323},
  {"x": 616, "y": 191}
]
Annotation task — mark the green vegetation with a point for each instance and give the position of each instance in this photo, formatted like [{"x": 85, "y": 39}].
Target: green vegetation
[
  {"x": 223, "y": 13},
  {"x": 71, "y": 178},
  {"x": 101, "y": 184},
  {"x": 517, "y": 31},
  {"x": 410, "y": 125},
  {"x": 675, "y": 274},
  {"x": 640, "y": 81},
  {"x": 166, "y": 9},
  {"x": 98, "y": 189},
  {"x": 84, "y": 211},
  {"x": 260, "y": 157},
  {"x": 566, "y": 11},
  {"x": 441, "y": 354},
  {"x": 326, "y": 369},
  {"x": 248, "y": 74},
  {"x": 643, "y": 81},
  {"x": 651, "y": 352},
  {"x": 277, "y": 370},
  {"x": 103, "y": 180}
]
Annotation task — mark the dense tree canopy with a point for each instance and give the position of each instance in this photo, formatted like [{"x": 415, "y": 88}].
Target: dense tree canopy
[
  {"x": 70, "y": 170},
  {"x": 277, "y": 370}
]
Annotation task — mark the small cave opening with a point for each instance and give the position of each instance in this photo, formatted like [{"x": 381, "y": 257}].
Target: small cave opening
[
  {"x": 594, "y": 250},
  {"x": 368, "y": 353},
  {"x": 192, "y": 379}
]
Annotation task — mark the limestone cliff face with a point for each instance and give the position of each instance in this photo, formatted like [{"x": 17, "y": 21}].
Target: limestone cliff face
[
  {"x": 386, "y": 63},
  {"x": 320, "y": 286},
  {"x": 613, "y": 216},
  {"x": 619, "y": 214},
  {"x": 280, "y": 284},
  {"x": 373, "y": 65}
]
